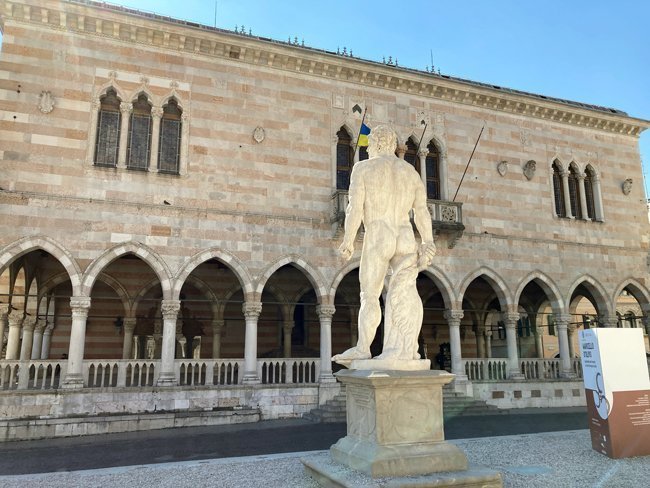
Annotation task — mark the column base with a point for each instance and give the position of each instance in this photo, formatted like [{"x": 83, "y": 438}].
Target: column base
[
  {"x": 166, "y": 379},
  {"x": 250, "y": 379},
  {"x": 326, "y": 377},
  {"x": 73, "y": 382}
]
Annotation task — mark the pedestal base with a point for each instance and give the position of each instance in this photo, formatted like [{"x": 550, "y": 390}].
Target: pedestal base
[
  {"x": 389, "y": 364},
  {"x": 331, "y": 474},
  {"x": 398, "y": 460}
]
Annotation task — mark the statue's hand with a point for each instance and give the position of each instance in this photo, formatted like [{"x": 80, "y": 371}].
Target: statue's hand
[
  {"x": 346, "y": 249},
  {"x": 425, "y": 254}
]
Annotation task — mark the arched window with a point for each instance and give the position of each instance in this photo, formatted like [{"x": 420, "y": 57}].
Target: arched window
[
  {"x": 411, "y": 155},
  {"x": 574, "y": 193},
  {"x": 558, "y": 192},
  {"x": 589, "y": 193},
  {"x": 108, "y": 130},
  {"x": 432, "y": 166},
  {"x": 139, "y": 141},
  {"x": 344, "y": 159},
  {"x": 169, "y": 147}
]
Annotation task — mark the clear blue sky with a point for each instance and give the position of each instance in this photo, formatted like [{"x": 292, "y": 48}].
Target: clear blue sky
[{"x": 592, "y": 51}]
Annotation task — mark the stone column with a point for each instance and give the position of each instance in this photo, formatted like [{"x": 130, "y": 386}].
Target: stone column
[
  {"x": 156, "y": 115},
  {"x": 567, "y": 194},
  {"x": 325, "y": 313},
  {"x": 561, "y": 324},
  {"x": 480, "y": 342},
  {"x": 252, "y": 311},
  {"x": 28, "y": 338},
  {"x": 13, "y": 337},
  {"x": 47, "y": 338},
  {"x": 401, "y": 150},
  {"x": 539, "y": 346},
  {"x": 488, "y": 344},
  {"x": 286, "y": 332},
  {"x": 583, "y": 197},
  {"x": 125, "y": 109},
  {"x": 571, "y": 333},
  {"x": 79, "y": 307},
  {"x": 354, "y": 326},
  {"x": 170, "y": 309},
  {"x": 510, "y": 319},
  {"x": 422, "y": 155},
  {"x": 453, "y": 318},
  {"x": 598, "y": 203},
  {"x": 4, "y": 323},
  {"x": 128, "y": 325},
  {"x": 37, "y": 342},
  {"x": 217, "y": 327}
]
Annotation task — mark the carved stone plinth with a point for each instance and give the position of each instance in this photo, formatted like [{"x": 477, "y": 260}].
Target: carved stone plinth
[{"x": 395, "y": 429}]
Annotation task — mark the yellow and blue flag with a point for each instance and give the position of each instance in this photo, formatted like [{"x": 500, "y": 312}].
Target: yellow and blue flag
[{"x": 363, "y": 135}]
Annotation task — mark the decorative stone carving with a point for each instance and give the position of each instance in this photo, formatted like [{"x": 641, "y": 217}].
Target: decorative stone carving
[
  {"x": 383, "y": 210},
  {"x": 627, "y": 186},
  {"x": 448, "y": 213},
  {"x": 170, "y": 309},
  {"x": 259, "y": 134},
  {"x": 252, "y": 310},
  {"x": 529, "y": 169},
  {"x": 46, "y": 102},
  {"x": 502, "y": 168},
  {"x": 338, "y": 101},
  {"x": 325, "y": 311}
]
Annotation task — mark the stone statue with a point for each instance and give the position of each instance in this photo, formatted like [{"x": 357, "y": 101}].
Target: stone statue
[{"x": 383, "y": 191}]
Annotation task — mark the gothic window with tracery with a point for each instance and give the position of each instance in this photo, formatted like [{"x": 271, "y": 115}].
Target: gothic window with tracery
[
  {"x": 574, "y": 193},
  {"x": 139, "y": 141},
  {"x": 108, "y": 130},
  {"x": 344, "y": 159},
  {"x": 169, "y": 148},
  {"x": 432, "y": 166},
  {"x": 558, "y": 192},
  {"x": 589, "y": 193}
]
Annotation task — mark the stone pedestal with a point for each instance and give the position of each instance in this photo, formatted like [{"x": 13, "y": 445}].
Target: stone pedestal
[
  {"x": 395, "y": 429},
  {"x": 395, "y": 424}
]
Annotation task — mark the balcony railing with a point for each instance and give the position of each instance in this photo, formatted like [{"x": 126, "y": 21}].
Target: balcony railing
[
  {"x": 121, "y": 373},
  {"x": 446, "y": 217}
]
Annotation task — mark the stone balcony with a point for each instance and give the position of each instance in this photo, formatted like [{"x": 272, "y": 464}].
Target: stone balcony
[{"x": 446, "y": 217}]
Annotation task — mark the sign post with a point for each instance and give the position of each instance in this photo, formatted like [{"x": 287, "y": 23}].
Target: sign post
[{"x": 617, "y": 387}]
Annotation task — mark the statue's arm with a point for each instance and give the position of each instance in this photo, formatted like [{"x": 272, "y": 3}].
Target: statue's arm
[
  {"x": 353, "y": 213},
  {"x": 422, "y": 219}
]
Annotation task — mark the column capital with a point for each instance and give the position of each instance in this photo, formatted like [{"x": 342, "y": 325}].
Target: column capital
[
  {"x": 15, "y": 319},
  {"x": 170, "y": 309},
  {"x": 156, "y": 112},
  {"x": 401, "y": 150},
  {"x": 79, "y": 304},
  {"x": 510, "y": 318},
  {"x": 561, "y": 319},
  {"x": 422, "y": 153},
  {"x": 41, "y": 323},
  {"x": 453, "y": 315},
  {"x": 126, "y": 108},
  {"x": 288, "y": 325},
  {"x": 217, "y": 324},
  {"x": 129, "y": 324},
  {"x": 607, "y": 320},
  {"x": 29, "y": 323},
  {"x": 325, "y": 311},
  {"x": 252, "y": 310}
]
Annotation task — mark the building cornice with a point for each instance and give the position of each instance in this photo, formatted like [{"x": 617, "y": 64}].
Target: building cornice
[{"x": 132, "y": 26}]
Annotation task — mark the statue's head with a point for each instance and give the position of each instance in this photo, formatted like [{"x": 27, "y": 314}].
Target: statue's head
[{"x": 382, "y": 140}]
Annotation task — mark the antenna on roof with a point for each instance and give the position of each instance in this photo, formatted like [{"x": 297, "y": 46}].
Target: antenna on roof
[{"x": 215, "y": 13}]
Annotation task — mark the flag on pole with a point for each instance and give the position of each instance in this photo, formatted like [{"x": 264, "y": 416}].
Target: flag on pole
[{"x": 363, "y": 135}]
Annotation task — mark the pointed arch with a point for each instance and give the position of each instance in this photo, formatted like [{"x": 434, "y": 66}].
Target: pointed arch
[
  {"x": 312, "y": 274},
  {"x": 496, "y": 282},
  {"x": 103, "y": 89},
  {"x": 639, "y": 292},
  {"x": 596, "y": 289},
  {"x": 11, "y": 252},
  {"x": 547, "y": 285},
  {"x": 349, "y": 266},
  {"x": 148, "y": 255},
  {"x": 443, "y": 284},
  {"x": 230, "y": 260}
]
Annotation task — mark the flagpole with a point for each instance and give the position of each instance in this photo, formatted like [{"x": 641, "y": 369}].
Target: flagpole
[
  {"x": 421, "y": 137},
  {"x": 468, "y": 161},
  {"x": 356, "y": 145}
]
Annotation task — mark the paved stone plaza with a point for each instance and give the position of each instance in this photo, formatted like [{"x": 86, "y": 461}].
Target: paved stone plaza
[{"x": 550, "y": 460}]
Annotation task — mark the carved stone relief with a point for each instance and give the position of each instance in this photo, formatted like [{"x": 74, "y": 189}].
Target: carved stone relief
[
  {"x": 502, "y": 168},
  {"x": 338, "y": 101},
  {"x": 259, "y": 134},
  {"x": 46, "y": 102},
  {"x": 627, "y": 186},
  {"x": 529, "y": 169}
]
